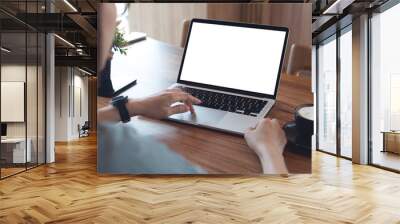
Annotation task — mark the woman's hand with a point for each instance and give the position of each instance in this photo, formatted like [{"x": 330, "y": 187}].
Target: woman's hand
[
  {"x": 268, "y": 141},
  {"x": 162, "y": 105}
]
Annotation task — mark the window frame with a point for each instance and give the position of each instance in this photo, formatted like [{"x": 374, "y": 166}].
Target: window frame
[{"x": 333, "y": 37}]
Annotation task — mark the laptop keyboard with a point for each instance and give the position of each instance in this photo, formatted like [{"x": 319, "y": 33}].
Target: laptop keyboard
[{"x": 227, "y": 102}]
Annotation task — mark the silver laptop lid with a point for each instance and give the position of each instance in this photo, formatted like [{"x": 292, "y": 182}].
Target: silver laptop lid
[{"x": 234, "y": 57}]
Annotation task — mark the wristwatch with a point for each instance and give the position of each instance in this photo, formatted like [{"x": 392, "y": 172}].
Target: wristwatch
[{"x": 119, "y": 102}]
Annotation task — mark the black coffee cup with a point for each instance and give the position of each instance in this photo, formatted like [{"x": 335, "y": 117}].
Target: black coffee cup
[{"x": 299, "y": 132}]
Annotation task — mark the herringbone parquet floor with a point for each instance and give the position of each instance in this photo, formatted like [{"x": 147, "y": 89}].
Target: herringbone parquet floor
[{"x": 70, "y": 191}]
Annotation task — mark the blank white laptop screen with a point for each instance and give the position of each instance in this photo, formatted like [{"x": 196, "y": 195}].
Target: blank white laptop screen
[{"x": 234, "y": 57}]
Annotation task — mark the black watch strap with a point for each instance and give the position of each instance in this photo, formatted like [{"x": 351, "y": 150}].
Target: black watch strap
[{"x": 119, "y": 102}]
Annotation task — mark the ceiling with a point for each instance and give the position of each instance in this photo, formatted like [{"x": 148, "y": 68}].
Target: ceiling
[
  {"x": 331, "y": 15},
  {"x": 74, "y": 22}
]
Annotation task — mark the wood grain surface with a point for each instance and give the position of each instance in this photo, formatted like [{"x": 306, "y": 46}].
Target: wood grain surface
[
  {"x": 70, "y": 191},
  {"x": 155, "y": 65},
  {"x": 164, "y": 22}
]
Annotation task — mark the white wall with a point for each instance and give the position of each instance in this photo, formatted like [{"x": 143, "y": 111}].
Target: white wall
[
  {"x": 61, "y": 103},
  {"x": 70, "y": 83},
  {"x": 79, "y": 117}
]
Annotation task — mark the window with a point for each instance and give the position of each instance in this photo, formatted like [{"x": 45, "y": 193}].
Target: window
[
  {"x": 326, "y": 95},
  {"x": 334, "y": 101},
  {"x": 346, "y": 92},
  {"x": 385, "y": 89}
]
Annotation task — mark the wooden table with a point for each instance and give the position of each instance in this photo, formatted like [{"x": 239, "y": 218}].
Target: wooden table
[
  {"x": 156, "y": 66},
  {"x": 391, "y": 141}
]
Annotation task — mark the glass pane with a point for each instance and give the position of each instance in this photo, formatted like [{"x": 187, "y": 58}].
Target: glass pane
[
  {"x": 23, "y": 87},
  {"x": 327, "y": 96},
  {"x": 31, "y": 98},
  {"x": 32, "y": 88},
  {"x": 13, "y": 84},
  {"x": 346, "y": 94},
  {"x": 385, "y": 84}
]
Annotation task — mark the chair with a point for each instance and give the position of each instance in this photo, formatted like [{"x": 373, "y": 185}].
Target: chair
[
  {"x": 84, "y": 130},
  {"x": 185, "y": 31},
  {"x": 299, "y": 62}
]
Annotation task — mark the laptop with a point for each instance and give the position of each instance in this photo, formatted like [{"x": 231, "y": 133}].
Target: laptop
[{"x": 234, "y": 69}]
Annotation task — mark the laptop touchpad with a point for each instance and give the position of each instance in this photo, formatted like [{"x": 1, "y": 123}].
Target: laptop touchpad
[{"x": 203, "y": 115}]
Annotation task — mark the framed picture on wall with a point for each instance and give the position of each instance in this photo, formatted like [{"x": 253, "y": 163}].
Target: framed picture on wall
[{"x": 12, "y": 101}]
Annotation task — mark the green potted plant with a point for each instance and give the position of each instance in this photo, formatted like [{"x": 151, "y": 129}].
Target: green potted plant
[{"x": 119, "y": 42}]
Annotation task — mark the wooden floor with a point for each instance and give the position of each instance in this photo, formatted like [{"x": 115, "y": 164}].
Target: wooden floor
[
  {"x": 10, "y": 171},
  {"x": 70, "y": 191}
]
